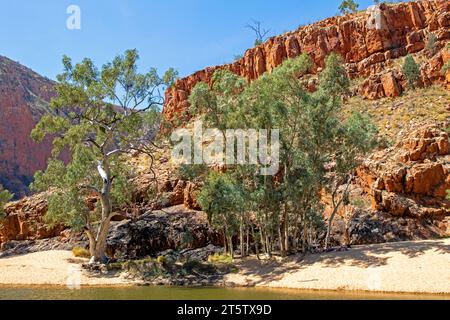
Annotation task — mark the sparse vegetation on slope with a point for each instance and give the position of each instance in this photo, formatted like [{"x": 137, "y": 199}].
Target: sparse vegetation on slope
[{"x": 405, "y": 112}]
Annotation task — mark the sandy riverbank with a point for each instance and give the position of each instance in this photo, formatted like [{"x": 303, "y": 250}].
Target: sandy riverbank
[
  {"x": 410, "y": 267},
  {"x": 413, "y": 267},
  {"x": 57, "y": 268}
]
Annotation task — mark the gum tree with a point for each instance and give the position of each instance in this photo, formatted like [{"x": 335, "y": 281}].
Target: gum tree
[
  {"x": 348, "y": 6},
  {"x": 100, "y": 116},
  {"x": 358, "y": 137},
  {"x": 260, "y": 32},
  {"x": 222, "y": 199}
]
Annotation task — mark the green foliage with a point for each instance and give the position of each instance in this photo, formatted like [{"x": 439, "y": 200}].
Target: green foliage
[
  {"x": 100, "y": 116},
  {"x": 431, "y": 44},
  {"x": 312, "y": 135},
  {"x": 221, "y": 198},
  {"x": 411, "y": 70},
  {"x": 219, "y": 107},
  {"x": 79, "y": 252},
  {"x": 334, "y": 79},
  {"x": 187, "y": 239},
  {"x": 445, "y": 68},
  {"x": 5, "y": 196},
  {"x": 348, "y": 6},
  {"x": 191, "y": 172}
]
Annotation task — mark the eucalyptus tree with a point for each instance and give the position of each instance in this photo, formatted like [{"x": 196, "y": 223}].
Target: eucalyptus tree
[
  {"x": 221, "y": 198},
  {"x": 356, "y": 137},
  {"x": 100, "y": 116},
  {"x": 260, "y": 32},
  {"x": 221, "y": 106},
  {"x": 348, "y": 6}
]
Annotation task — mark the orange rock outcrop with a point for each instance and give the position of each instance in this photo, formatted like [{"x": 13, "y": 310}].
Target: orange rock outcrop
[
  {"x": 412, "y": 178},
  {"x": 25, "y": 220}
]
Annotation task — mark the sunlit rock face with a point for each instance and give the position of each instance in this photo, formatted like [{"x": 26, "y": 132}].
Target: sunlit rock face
[{"x": 24, "y": 98}]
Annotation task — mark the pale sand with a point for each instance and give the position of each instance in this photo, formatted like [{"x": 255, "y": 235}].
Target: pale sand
[
  {"x": 57, "y": 268},
  {"x": 408, "y": 267},
  {"x": 413, "y": 267}
]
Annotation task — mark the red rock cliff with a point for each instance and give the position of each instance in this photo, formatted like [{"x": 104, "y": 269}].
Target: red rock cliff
[
  {"x": 24, "y": 97},
  {"x": 368, "y": 42}
]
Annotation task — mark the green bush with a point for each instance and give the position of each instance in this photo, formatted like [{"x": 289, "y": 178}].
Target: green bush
[
  {"x": 411, "y": 70},
  {"x": 5, "y": 196},
  {"x": 431, "y": 44},
  {"x": 190, "y": 172},
  {"x": 348, "y": 6},
  {"x": 446, "y": 68}
]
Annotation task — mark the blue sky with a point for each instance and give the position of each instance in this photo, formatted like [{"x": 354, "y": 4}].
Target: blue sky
[{"x": 187, "y": 35}]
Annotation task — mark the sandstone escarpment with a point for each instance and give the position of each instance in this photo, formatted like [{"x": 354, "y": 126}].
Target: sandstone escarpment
[
  {"x": 24, "y": 98},
  {"x": 25, "y": 220},
  {"x": 411, "y": 179},
  {"x": 369, "y": 42}
]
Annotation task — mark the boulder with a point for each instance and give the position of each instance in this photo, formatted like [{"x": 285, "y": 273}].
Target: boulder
[
  {"x": 172, "y": 229},
  {"x": 390, "y": 85}
]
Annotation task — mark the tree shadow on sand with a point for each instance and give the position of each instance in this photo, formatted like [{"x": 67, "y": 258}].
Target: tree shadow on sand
[{"x": 360, "y": 256}]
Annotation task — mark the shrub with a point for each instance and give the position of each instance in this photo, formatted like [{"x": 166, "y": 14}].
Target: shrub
[
  {"x": 411, "y": 70},
  {"x": 79, "y": 252},
  {"x": 191, "y": 172},
  {"x": 446, "y": 68},
  {"x": 431, "y": 44},
  {"x": 161, "y": 260},
  {"x": 220, "y": 259}
]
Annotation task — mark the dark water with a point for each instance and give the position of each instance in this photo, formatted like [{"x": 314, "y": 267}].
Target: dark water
[{"x": 171, "y": 293}]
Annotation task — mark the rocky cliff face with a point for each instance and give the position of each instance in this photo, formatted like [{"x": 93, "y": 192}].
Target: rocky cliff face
[
  {"x": 369, "y": 42},
  {"x": 411, "y": 178},
  {"x": 24, "y": 98},
  {"x": 25, "y": 220}
]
